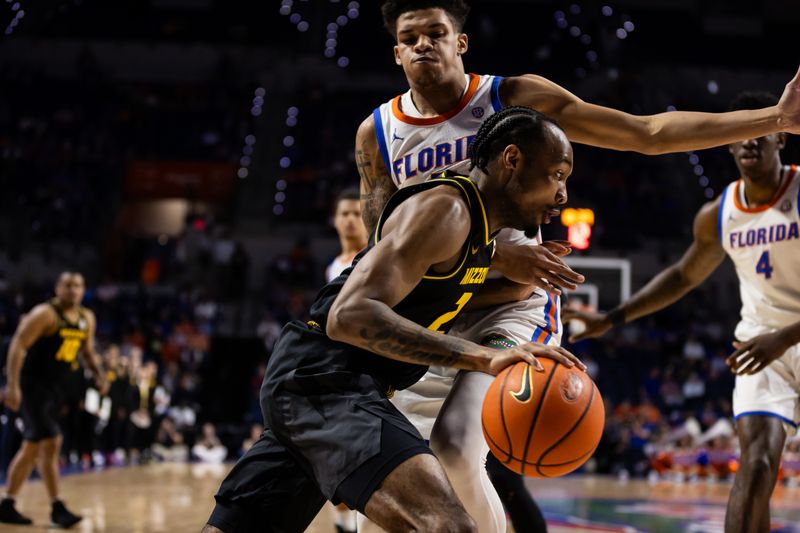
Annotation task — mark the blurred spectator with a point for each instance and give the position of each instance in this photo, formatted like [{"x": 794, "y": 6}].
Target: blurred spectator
[
  {"x": 255, "y": 433},
  {"x": 168, "y": 445},
  {"x": 208, "y": 448}
]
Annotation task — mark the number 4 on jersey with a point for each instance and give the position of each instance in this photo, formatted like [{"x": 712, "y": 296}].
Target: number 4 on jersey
[{"x": 763, "y": 266}]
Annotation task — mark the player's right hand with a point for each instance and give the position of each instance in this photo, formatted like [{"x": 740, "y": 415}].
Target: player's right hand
[
  {"x": 597, "y": 324},
  {"x": 540, "y": 266},
  {"x": 528, "y": 352},
  {"x": 13, "y": 397}
]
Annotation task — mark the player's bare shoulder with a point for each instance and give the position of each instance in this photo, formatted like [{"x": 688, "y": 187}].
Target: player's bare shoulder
[
  {"x": 439, "y": 214},
  {"x": 705, "y": 222}
]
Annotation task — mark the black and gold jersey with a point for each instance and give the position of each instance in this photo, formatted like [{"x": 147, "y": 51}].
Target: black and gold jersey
[
  {"x": 438, "y": 298},
  {"x": 53, "y": 356}
]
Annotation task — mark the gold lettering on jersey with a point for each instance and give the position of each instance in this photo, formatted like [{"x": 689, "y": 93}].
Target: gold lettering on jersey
[
  {"x": 71, "y": 344},
  {"x": 475, "y": 275}
]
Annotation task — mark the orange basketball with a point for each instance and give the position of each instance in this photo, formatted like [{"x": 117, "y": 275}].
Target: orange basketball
[{"x": 542, "y": 424}]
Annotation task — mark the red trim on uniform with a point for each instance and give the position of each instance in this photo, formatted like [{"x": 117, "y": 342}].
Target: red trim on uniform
[
  {"x": 759, "y": 209},
  {"x": 474, "y": 80}
]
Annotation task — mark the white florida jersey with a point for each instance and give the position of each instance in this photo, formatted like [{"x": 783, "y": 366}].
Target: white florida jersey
[
  {"x": 413, "y": 146},
  {"x": 764, "y": 244}
]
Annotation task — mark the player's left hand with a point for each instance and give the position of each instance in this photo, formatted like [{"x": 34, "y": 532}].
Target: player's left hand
[
  {"x": 754, "y": 355},
  {"x": 789, "y": 106}
]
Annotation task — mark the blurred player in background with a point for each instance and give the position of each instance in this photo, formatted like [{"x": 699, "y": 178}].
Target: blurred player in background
[
  {"x": 351, "y": 230},
  {"x": 44, "y": 350},
  {"x": 430, "y": 127},
  {"x": 755, "y": 222}
]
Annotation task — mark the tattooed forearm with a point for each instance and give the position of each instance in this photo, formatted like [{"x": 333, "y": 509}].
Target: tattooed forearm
[{"x": 418, "y": 346}]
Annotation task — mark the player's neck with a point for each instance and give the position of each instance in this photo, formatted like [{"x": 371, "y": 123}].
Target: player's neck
[
  {"x": 438, "y": 98},
  {"x": 761, "y": 189},
  {"x": 66, "y": 307},
  {"x": 496, "y": 212},
  {"x": 350, "y": 248}
]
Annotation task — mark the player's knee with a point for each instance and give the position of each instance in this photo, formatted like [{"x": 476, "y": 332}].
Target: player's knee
[
  {"x": 758, "y": 465},
  {"x": 50, "y": 446},
  {"x": 453, "y": 520},
  {"x": 454, "y": 456}
]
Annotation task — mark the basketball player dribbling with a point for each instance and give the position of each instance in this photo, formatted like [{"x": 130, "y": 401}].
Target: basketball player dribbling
[
  {"x": 331, "y": 432},
  {"x": 755, "y": 222},
  {"x": 429, "y": 128},
  {"x": 43, "y": 351}
]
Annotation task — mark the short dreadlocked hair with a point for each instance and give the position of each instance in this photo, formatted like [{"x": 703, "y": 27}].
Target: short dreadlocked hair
[
  {"x": 509, "y": 126},
  {"x": 457, "y": 10},
  {"x": 753, "y": 100}
]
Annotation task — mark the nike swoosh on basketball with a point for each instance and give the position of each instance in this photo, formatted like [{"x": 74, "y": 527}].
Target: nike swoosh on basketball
[{"x": 523, "y": 395}]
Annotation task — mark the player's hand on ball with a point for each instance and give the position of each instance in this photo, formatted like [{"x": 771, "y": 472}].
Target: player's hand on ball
[
  {"x": 754, "y": 355},
  {"x": 595, "y": 324},
  {"x": 529, "y": 352},
  {"x": 13, "y": 397},
  {"x": 540, "y": 266}
]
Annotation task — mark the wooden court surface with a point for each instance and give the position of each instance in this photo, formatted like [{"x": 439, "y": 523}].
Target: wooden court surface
[{"x": 179, "y": 497}]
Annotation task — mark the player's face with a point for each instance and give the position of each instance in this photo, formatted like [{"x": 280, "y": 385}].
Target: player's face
[
  {"x": 759, "y": 156},
  {"x": 542, "y": 183},
  {"x": 428, "y": 46},
  {"x": 347, "y": 220},
  {"x": 70, "y": 288}
]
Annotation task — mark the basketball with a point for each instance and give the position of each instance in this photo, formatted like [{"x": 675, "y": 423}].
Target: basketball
[{"x": 542, "y": 424}]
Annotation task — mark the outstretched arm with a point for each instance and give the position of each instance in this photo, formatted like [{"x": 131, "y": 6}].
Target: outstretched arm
[
  {"x": 698, "y": 262},
  {"x": 376, "y": 182},
  {"x": 651, "y": 134},
  {"x": 424, "y": 231}
]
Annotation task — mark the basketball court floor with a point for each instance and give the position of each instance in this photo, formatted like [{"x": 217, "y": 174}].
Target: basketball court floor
[{"x": 178, "y": 498}]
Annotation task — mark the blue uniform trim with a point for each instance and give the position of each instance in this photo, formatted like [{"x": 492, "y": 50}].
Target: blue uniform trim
[
  {"x": 548, "y": 326},
  {"x": 767, "y": 413},
  {"x": 719, "y": 213},
  {"x": 536, "y": 333},
  {"x": 376, "y": 116},
  {"x": 547, "y": 339},
  {"x": 496, "y": 104}
]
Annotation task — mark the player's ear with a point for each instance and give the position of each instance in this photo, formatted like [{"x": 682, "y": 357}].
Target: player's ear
[
  {"x": 781, "y": 140},
  {"x": 462, "y": 44},
  {"x": 397, "y": 60},
  {"x": 511, "y": 157}
]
